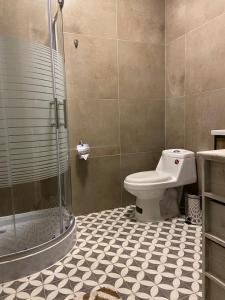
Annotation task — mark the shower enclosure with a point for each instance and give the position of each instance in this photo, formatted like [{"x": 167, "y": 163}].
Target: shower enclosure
[{"x": 35, "y": 199}]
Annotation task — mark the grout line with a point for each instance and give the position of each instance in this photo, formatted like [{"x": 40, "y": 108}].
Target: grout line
[
  {"x": 200, "y": 93},
  {"x": 176, "y": 39},
  {"x": 165, "y": 113},
  {"x": 124, "y": 98},
  {"x": 185, "y": 86},
  {"x": 205, "y": 92},
  {"x": 205, "y": 23},
  {"x": 118, "y": 95},
  {"x": 198, "y": 27},
  {"x": 175, "y": 98},
  {"x": 123, "y": 154},
  {"x": 92, "y": 99},
  {"x": 120, "y": 156},
  {"x": 143, "y": 152},
  {"x": 99, "y": 156},
  {"x": 114, "y": 38}
]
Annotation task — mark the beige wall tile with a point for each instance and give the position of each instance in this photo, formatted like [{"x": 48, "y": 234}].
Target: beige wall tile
[
  {"x": 94, "y": 122},
  {"x": 32, "y": 196},
  {"x": 1, "y": 17},
  {"x": 141, "y": 70},
  {"x": 91, "y": 17},
  {"x": 203, "y": 113},
  {"x": 175, "y": 19},
  {"x": 205, "y": 57},
  {"x": 92, "y": 75},
  {"x": 92, "y": 67},
  {"x": 26, "y": 19},
  {"x": 127, "y": 198},
  {"x": 141, "y": 125},
  {"x": 91, "y": 71},
  {"x": 6, "y": 208},
  {"x": 138, "y": 162},
  {"x": 142, "y": 20},
  {"x": 96, "y": 184},
  {"x": 201, "y": 11},
  {"x": 175, "y": 127},
  {"x": 175, "y": 68}
]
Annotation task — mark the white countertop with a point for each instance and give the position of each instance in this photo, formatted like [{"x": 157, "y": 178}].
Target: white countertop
[
  {"x": 218, "y": 155},
  {"x": 218, "y": 132}
]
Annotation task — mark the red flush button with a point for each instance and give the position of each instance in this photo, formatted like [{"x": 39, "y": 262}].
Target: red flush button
[{"x": 177, "y": 161}]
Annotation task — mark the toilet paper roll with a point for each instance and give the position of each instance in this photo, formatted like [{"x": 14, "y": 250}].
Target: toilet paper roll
[{"x": 84, "y": 156}]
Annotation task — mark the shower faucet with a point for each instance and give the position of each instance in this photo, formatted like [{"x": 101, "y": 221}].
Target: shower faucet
[{"x": 83, "y": 150}]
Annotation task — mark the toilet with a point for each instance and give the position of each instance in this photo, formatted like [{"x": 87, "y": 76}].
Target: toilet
[{"x": 154, "y": 190}]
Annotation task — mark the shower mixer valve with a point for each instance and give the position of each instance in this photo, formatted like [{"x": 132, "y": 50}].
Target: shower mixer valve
[{"x": 83, "y": 150}]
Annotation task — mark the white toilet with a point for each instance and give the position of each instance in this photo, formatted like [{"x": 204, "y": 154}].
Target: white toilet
[{"x": 175, "y": 169}]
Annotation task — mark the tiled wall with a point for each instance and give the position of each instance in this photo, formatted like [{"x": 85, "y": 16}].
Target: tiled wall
[
  {"x": 24, "y": 24},
  {"x": 195, "y": 72},
  {"x": 116, "y": 81}
]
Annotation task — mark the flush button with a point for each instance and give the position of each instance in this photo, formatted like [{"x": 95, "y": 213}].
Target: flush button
[{"x": 177, "y": 162}]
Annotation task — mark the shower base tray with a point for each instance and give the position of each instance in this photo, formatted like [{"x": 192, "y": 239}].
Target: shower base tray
[{"x": 29, "y": 261}]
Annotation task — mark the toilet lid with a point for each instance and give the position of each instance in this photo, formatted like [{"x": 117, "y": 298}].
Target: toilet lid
[{"x": 148, "y": 177}]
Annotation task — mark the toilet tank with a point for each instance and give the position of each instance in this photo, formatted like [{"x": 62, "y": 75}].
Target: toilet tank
[{"x": 180, "y": 164}]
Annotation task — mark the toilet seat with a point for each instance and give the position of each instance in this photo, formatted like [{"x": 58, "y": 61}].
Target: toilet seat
[{"x": 147, "y": 177}]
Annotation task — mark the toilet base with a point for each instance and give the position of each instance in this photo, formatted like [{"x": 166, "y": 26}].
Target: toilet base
[
  {"x": 148, "y": 210},
  {"x": 161, "y": 205}
]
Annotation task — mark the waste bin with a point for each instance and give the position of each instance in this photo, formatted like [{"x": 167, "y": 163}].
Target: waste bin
[{"x": 193, "y": 212}]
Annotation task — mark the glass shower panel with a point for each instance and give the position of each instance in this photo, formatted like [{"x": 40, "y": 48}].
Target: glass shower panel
[
  {"x": 31, "y": 192},
  {"x": 7, "y": 221},
  {"x": 58, "y": 45}
]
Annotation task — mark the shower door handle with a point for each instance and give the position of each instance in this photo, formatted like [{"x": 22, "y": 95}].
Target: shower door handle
[
  {"x": 57, "y": 122},
  {"x": 63, "y": 103},
  {"x": 55, "y": 103},
  {"x": 65, "y": 113}
]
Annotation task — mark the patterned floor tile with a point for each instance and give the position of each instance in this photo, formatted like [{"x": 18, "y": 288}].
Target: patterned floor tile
[
  {"x": 54, "y": 273},
  {"x": 21, "y": 285},
  {"x": 8, "y": 297},
  {"x": 59, "y": 290},
  {"x": 160, "y": 261},
  {"x": 37, "y": 293}
]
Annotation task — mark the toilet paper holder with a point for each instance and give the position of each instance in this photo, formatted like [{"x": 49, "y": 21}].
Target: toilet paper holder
[{"x": 83, "y": 150}]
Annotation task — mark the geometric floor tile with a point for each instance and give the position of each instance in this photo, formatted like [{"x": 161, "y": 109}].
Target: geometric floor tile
[{"x": 160, "y": 261}]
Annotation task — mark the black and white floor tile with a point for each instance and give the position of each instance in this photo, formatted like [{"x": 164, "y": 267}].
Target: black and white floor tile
[{"x": 140, "y": 260}]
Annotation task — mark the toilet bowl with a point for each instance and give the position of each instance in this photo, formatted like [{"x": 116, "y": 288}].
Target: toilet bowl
[{"x": 175, "y": 169}]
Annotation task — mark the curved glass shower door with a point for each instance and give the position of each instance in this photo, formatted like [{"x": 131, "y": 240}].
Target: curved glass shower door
[
  {"x": 34, "y": 169},
  {"x": 60, "y": 97}
]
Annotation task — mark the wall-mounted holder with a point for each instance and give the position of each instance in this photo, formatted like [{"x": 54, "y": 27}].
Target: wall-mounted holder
[
  {"x": 76, "y": 43},
  {"x": 219, "y": 138},
  {"x": 83, "y": 150},
  {"x": 61, "y": 3}
]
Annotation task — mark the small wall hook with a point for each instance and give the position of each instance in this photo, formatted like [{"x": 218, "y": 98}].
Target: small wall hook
[
  {"x": 61, "y": 3},
  {"x": 76, "y": 43}
]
